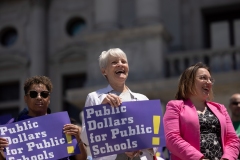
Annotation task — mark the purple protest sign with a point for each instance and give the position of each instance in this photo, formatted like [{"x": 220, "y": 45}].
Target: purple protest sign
[
  {"x": 39, "y": 138},
  {"x": 132, "y": 126}
]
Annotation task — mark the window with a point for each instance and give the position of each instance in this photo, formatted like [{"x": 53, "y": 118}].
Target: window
[
  {"x": 222, "y": 26},
  {"x": 71, "y": 82},
  {"x": 9, "y": 98},
  {"x": 8, "y": 36},
  {"x": 75, "y": 26},
  {"x": 10, "y": 111},
  {"x": 9, "y": 91}
]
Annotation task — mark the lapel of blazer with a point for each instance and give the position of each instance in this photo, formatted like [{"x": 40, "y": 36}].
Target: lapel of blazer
[{"x": 193, "y": 130}]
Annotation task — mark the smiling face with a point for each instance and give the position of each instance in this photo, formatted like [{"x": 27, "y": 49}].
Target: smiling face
[
  {"x": 203, "y": 84},
  {"x": 116, "y": 70},
  {"x": 37, "y": 106}
]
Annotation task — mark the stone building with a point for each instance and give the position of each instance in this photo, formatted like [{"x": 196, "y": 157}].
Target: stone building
[{"x": 62, "y": 39}]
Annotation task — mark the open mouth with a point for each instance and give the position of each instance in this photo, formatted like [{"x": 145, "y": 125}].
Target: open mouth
[
  {"x": 120, "y": 72},
  {"x": 206, "y": 89},
  {"x": 39, "y": 104}
]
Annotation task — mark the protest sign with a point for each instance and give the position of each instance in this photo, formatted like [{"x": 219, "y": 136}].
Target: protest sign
[
  {"x": 132, "y": 126},
  {"x": 39, "y": 138}
]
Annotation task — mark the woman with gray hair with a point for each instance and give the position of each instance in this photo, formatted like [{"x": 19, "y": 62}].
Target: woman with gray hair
[{"x": 114, "y": 67}]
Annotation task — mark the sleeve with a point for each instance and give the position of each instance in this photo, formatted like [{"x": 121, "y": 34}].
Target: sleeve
[
  {"x": 175, "y": 143},
  {"x": 232, "y": 142}
]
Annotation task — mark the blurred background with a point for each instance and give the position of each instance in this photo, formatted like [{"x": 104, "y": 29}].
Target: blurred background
[{"x": 62, "y": 39}]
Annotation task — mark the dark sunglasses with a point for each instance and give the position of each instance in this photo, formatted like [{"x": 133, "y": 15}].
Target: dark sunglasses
[
  {"x": 235, "y": 103},
  {"x": 34, "y": 94}
]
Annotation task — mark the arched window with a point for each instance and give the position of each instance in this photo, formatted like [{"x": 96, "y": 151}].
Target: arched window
[
  {"x": 75, "y": 26},
  {"x": 8, "y": 36}
]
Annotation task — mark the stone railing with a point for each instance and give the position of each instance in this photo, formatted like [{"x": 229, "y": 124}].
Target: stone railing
[{"x": 223, "y": 60}]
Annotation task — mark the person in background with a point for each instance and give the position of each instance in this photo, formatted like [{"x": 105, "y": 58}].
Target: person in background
[
  {"x": 37, "y": 97},
  {"x": 114, "y": 67},
  {"x": 196, "y": 128},
  {"x": 234, "y": 106}
]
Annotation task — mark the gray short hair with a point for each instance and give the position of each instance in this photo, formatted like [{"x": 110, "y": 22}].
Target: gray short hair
[{"x": 115, "y": 52}]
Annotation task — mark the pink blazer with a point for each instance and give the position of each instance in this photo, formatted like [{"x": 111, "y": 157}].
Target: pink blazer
[{"x": 182, "y": 131}]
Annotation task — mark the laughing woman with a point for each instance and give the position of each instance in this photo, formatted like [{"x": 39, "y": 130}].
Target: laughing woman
[
  {"x": 195, "y": 127},
  {"x": 114, "y": 67}
]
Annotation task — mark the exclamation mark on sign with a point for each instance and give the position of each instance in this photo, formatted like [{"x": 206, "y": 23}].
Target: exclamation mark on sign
[
  {"x": 70, "y": 149},
  {"x": 156, "y": 126}
]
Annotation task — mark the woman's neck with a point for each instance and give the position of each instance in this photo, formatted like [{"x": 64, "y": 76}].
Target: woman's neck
[
  {"x": 119, "y": 87},
  {"x": 199, "y": 104},
  {"x": 37, "y": 114}
]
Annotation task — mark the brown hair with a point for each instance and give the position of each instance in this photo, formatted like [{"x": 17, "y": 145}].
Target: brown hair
[
  {"x": 187, "y": 80},
  {"x": 38, "y": 80}
]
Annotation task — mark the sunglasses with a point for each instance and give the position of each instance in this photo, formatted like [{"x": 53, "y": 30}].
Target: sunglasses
[
  {"x": 235, "y": 103},
  {"x": 34, "y": 94}
]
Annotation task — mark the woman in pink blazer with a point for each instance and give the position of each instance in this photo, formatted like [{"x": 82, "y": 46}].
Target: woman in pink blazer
[{"x": 196, "y": 128}]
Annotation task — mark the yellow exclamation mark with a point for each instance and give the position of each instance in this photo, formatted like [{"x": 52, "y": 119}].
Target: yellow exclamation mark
[
  {"x": 70, "y": 149},
  {"x": 156, "y": 126}
]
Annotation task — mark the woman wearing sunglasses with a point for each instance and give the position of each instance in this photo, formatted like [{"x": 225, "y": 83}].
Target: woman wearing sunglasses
[{"x": 37, "y": 97}]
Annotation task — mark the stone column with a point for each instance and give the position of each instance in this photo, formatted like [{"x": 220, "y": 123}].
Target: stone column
[
  {"x": 37, "y": 38},
  {"x": 147, "y": 11},
  {"x": 106, "y": 14}
]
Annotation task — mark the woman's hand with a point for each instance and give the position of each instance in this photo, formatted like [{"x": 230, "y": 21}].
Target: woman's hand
[
  {"x": 73, "y": 129},
  {"x": 133, "y": 154},
  {"x": 3, "y": 143},
  {"x": 112, "y": 99}
]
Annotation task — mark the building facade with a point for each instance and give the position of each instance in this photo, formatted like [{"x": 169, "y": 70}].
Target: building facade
[{"x": 63, "y": 39}]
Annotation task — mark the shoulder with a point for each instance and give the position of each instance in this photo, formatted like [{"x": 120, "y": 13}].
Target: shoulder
[
  {"x": 175, "y": 103},
  {"x": 173, "y": 109},
  {"x": 99, "y": 92},
  {"x": 95, "y": 97},
  {"x": 22, "y": 115},
  {"x": 139, "y": 96},
  {"x": 216, "y": 105}
]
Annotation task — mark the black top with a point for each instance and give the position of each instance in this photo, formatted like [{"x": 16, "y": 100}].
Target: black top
[{"x": 210, "y": 131}]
